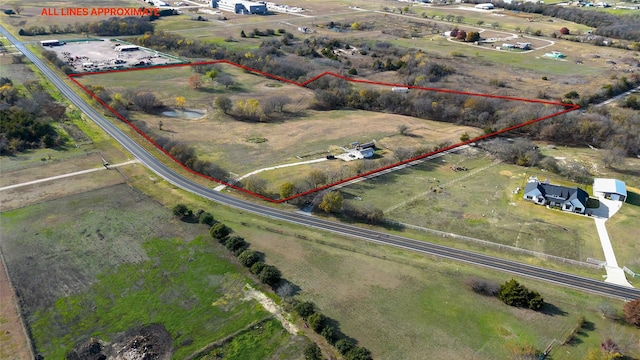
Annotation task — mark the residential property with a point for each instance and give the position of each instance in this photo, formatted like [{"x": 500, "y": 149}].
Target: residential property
[
  {"x": 570, "y": 199},
  {"x": 358, "y": 151},
  {"x": 610, "y": 189},
  {"x": 523, "y": 45},
  {"x": 240, "y": 6}
]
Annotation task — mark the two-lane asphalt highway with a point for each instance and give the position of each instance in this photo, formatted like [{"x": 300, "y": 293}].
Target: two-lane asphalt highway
[{"x": 520, "y": 269}]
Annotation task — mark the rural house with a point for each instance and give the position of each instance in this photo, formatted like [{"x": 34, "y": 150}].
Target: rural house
[
  {"x": 570, "y": 199},
  {"x": 610, "y": 189}
]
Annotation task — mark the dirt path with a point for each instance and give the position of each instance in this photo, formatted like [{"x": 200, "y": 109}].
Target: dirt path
[
  {"x": 14, "y": 344},
  {"x": 270, "y": 306}
]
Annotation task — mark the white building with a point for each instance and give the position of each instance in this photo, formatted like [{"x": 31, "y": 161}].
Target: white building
[
  {"x": 486, "y": 6},
  {"x": 240, "y": 6},
  {"x": 610, "y": 189}
]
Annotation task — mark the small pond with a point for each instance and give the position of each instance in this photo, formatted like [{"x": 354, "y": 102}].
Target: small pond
[{"x": 184, "y": 114}]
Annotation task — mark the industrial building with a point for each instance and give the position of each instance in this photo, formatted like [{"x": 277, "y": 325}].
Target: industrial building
[
  {"x": 240, "y": 6},
  {"x": 51, "y": 43}
]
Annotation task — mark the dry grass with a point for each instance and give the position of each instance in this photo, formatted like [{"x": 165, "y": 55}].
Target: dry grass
[
  {"x": 225, "y": 140},
  {"x": 13, "y": 339}
]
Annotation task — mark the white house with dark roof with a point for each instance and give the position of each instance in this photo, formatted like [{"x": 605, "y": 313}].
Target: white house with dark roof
[
  {"x": 610, "y": 189},
  {"x": 570, "y": 199}
]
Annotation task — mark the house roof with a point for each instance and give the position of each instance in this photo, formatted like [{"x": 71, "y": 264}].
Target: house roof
[
  {"x": 609, "y": 186},
  {"x": 368, "y": 152},
  {"x": 557, "y": 192}
]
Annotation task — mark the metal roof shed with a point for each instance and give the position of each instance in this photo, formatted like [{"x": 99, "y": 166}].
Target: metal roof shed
[{"x": 610, "y": 188}]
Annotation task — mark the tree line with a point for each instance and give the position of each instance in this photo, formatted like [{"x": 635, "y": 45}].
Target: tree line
[
  {"x": 272, "y": 277},
  {"x": 626, "y": 27},
  {"x": 115, "y": 26},
  {"x": 27, "y": 118}
]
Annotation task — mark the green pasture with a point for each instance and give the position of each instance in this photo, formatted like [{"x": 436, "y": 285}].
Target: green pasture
[
  {"x": 176, "y": 287},
  {"x": 404, "y": 305},
  {"x": 99, "y": 269},
  {"x": 481, "y": 205},
  {"x": 266, "y": 340}
]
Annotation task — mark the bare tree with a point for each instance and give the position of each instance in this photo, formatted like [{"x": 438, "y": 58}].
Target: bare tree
[
  {"x": 403, "y": 130},
  {"x": 224, "y": 104},
  {"x": 17, "y": 8},
  {"x": 224, "y": 79}
]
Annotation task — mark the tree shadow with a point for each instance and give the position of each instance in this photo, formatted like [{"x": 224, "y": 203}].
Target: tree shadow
[
  {"x": 552, "y": 310},
  {"x": 635, "y": 173},
  {"x": 633, "y": 198}
]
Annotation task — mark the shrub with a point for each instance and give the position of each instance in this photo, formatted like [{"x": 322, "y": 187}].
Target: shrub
[
  {"x": 182, "y": 210},
  {"x": 220, "y": 232},
  {"x": 206, "y": 218},
  {"x": 236, "y": 245},
  {"x": 305, "y": 309},
  {"x": 312, "y": 352},
  {"x": 270, "y": 275},
  {"x": 344, "y": 346},
  {"x": 257, "y": 267},
  {"x": 248, "y": 258},
  {"x": 316, "y": 322},
  {"x": 514, "y": 294},
  {"x": 632, "y": 312}
]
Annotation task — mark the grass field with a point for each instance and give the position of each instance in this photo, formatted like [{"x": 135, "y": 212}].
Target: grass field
[
  {"x": 224, "y": 140},
  {"x": 267, "y": 340},
  {"x": 403, "y": 306},
  {"x": 176, "y": 287},
  {"x": 400, "y": 305},
  {"x": 95, "y": 266},
  {"x": 480, "y": 204}
]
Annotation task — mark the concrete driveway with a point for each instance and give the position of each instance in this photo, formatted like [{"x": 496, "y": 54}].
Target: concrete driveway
[{"x": 607, "y": 209}]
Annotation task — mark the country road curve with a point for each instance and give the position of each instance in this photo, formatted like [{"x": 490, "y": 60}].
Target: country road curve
[{"x": 155, "y": 165}]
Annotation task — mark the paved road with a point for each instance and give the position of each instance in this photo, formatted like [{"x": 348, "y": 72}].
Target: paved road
[{"x": 279, "y": 216}]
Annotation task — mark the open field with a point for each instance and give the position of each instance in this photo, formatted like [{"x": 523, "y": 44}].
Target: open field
[
  {"x": 374, "y": 288},
  {"x": 14, "y": 343},
  {"x": 392, "y": 301},
  {"x": 301, "y": 135},
  {"x": 480, "y": 205},
  {"x": 267, "y": 340},
  {"x": 74, "y": 270}
]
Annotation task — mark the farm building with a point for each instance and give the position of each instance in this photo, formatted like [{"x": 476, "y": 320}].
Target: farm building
[
  {"x": 486, "y": 6},
  {"x": 240, "y": 6},
  {"x": 570, "y": 199},
  {"x": 610, "y": 189}
]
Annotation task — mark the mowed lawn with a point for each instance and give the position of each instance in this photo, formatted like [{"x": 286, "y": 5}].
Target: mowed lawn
[
  {"x": 102, "y": 262},
  {"x": 480, "y": 203}
]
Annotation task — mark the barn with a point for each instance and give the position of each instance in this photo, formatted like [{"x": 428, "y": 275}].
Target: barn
[{"x": 612, "y": 189}]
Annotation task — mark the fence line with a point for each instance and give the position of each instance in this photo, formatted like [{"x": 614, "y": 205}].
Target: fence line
[{"x": 499, "y": 246}]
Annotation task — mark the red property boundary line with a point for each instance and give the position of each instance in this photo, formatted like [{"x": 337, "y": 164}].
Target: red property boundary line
[{"x": 567, "y": 108}]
